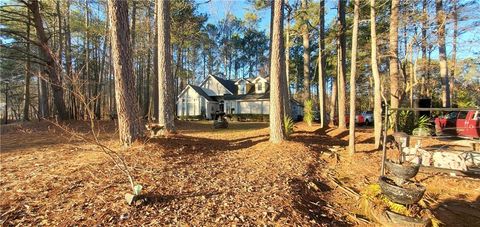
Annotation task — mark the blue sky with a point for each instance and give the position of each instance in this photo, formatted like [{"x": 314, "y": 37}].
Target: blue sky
[
  {"x": 217, "y": 9},
  {"x": 468, "y": 43}
]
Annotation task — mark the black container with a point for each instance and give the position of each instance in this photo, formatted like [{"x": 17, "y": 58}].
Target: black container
[
  {"x": 399, "y": 194},
  {"x": 405, "y": 171}
]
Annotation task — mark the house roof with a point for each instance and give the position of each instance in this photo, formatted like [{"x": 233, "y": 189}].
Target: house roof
[
  {"x": 242, "y": 79},
  {"x": 228, "y": 84},
  {"x": 201, "y": 92}
]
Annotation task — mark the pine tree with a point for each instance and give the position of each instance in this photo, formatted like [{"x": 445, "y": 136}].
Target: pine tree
[
  {"x": 166, "y": 93},
  {"x": 393, "y": 58},
  {"x": 377, "y": 100},
  {"x": 353, "y": 74},
  {"x": 277, "y": 70},
  {"x": 129, "y": 123}
]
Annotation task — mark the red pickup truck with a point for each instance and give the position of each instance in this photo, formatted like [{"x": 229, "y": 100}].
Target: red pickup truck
[{"x": 459, "y": 123}]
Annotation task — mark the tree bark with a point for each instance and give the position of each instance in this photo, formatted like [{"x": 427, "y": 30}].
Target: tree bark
[
  {"x": 306, "y": 54},
  {"x": 353, "y": 73},
  {"x": 454, "y": 51},
  {"x": 424, "y": 48},
  {"x": 26, "y": 95},
  {"x": 277, "y": 67},
  {"x": 441, "y": 20},
  {"x": 286, "y": 107},
  {"x": 52, "y": 64},
  {"x": 87, "y": 87},
  {"x": 146, "y": 104},
  {"x": 393, "y": 59},
  {"x": 155, "y": 66},
  {"x": 166, "y": 95},
  {"x": 377, "y": 107},
  {"x": 129, "y": 124},
  {"x": 343, "y": 67},
  {"x": 321, "y": 64},
  {"x": 333, "y": 100}
]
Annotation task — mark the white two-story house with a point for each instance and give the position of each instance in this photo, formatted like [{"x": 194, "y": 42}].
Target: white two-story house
[{"x": 215, "y": 94}]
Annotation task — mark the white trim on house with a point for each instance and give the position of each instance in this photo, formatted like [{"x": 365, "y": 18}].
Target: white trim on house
[{"x": 211, "y": 76}]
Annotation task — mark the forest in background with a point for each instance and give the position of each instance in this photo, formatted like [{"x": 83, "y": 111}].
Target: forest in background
[{"x": 77, "y": 34}]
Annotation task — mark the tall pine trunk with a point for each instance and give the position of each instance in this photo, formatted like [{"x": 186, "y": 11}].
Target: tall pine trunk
[
  {"x": 441, "y": 20},
  {"x": 277, "y": 67},
  {"x": 393, "y": 59},
  {"x": 333, "y": 100},
  {"x": 321, "y": 66},
  {"x": 287, "y": 108},
  {"x": 353, "y": 74},
  {"x": 52, "y": 65},
  {"x": 146, "y": 104},
  {"x": 454, "y": 51},
  {"x": 377, "y": 100},
  {"x": 155, "y": 65},
  {"x": 166, "y": 95},
  {"x": 343, "y": 66},
  {"x": 424, "y": 82},
  {"x": 26, "y": 95},
  {"x": 129, "y": 124},
  {"x": 306, "y": 54}
]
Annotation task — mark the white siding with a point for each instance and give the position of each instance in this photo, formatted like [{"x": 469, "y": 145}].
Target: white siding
[
  {"x": 189, "y": 103},
  {"x": 213, "y": 88},
  {"x": 253, "y": 107}
]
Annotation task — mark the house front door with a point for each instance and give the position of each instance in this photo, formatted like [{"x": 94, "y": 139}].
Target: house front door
[{"x": 221, "y": 106}]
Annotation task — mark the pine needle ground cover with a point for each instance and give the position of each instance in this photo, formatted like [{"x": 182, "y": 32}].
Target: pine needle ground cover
[{"x": 202, "y": 176}]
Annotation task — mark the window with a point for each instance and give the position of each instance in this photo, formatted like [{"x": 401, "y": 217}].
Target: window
[
  {"x": 242, "y": 88},
  {"x": 462, "y": 115},
  {"x": 451, "y": 115},
  {"x": 259, "y": 87}
]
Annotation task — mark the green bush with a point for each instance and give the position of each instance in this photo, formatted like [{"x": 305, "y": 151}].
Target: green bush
[
  {"x": 407, "y": 123},
  {"x": 288, "y": 125},
  {"x": 308, "y": 114}
]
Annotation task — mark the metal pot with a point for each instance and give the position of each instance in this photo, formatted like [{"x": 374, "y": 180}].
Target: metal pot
[
  {"x": 402, "y": 171},
  {"x": 406, "y": 194}
]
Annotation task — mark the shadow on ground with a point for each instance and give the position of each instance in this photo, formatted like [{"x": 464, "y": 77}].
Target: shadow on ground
[
  {"x": 458, "y": 212},
  {"x": 182, "y": 145}
]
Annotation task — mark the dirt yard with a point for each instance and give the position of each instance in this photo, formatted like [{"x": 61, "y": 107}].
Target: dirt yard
[{"x": 203, "y": 177}]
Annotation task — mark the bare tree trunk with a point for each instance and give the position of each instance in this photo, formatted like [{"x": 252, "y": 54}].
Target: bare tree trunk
[
  {"x": 454, "y": 51},
  {"x": 393, "y": 59},
  {"x": 377, "y": 108},
  {"x": 52, "y": 64},
  {"x": 99, "y": 86},
  {"x": 353, "y": 74},
  {"x": 286, "y": 107},
  {"x": 343, "y": 66},
  {"x": 424, "y": 48},
  {"x": 277, "y": 70},
  {"x": 129, "y": 125},
  {"x": 60, "y": 36},
  {"x": 306, "y": 55},
  {"x": 333, "y": 100},
  {"x": 166, "y": 95},
  {"x": 155, "y": 66},
  {"x": 321, "y": 64},
  {"x": 87, "y": 85},
  {"x": 26, "y": 95},
  {"x": 43, "y": 92},
  {"x": 441, "y": 20},
  {"x": 146, "y": 104}
]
